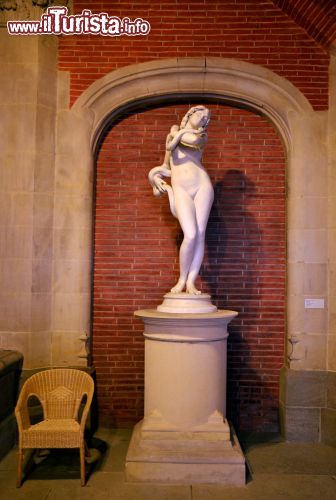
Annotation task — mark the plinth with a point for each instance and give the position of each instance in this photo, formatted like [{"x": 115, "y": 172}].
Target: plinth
[{"x": 184, "y": 437}]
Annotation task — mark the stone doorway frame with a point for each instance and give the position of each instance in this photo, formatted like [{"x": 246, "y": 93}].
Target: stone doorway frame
[{"x": 303, "y": 132}]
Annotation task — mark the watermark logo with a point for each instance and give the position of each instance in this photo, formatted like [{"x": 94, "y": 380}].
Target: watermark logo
[{"x": 56, "y": 21}]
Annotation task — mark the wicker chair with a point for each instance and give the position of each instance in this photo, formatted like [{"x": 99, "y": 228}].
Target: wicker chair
[{"x": 60, "y": 393}]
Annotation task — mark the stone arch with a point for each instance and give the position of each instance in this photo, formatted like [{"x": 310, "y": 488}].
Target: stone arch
[
  {"x": 232, "y": 81},
  {"x": 236, "y": 82}
]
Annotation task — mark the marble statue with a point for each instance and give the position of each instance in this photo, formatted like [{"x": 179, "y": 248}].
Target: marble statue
[{"x": 190, "y": 193}]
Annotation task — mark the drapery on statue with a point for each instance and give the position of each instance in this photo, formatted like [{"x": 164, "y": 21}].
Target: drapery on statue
[{"x": 190, "y": 193}]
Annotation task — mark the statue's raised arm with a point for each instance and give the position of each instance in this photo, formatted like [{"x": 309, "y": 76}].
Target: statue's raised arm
[{"x": 190, "y": 193}]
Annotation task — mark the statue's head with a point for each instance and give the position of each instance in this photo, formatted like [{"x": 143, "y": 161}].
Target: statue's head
[{"x": 196, "y": 117}]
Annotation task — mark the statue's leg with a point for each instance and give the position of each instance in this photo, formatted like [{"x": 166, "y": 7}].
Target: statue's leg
[
  {"x": 186, "y": 214},
  {"x": 203, "y": 202}
]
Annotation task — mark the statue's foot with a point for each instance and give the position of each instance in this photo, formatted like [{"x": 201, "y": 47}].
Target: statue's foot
[
  {"x": 192, "y": 289},
  {"x": 178, "y": 287}
]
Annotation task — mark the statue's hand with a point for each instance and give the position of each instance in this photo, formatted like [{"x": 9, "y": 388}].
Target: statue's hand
[
  {"x": 160, "y": 184},
  {"x": 155, "y": 177},
  {"x": 174, "y": 130}
]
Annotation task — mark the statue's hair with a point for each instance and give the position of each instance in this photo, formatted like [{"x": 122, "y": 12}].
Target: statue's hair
[{"x": 191, "y": 111}]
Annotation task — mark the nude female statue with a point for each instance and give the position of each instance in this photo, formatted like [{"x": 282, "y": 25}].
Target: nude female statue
[{"x": 190, "y": 194}]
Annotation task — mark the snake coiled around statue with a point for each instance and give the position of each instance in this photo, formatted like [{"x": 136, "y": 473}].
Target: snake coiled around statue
[{"x": 156, "y": 175}]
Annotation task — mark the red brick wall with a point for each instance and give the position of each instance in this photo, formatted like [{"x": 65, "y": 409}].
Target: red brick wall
[
  {"x": 257, "y": 32},
  {"x": 136, "y": 257}
]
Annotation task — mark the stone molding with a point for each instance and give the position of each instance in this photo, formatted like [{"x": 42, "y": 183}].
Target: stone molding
[
  {"x": 185, "y": 328},
  {"x": 233, "y": 81}
]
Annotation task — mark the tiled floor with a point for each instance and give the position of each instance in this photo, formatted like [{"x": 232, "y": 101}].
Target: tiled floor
[{"x": 276, "y": 470}]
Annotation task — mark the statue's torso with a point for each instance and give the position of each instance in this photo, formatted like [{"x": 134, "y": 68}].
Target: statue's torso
[{"x": 187, "y": 171}]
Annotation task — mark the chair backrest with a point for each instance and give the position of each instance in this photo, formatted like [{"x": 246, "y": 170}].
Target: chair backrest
[{"x": 60, "y": 391}]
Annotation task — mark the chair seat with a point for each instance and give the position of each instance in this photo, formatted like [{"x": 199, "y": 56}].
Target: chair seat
[
  {"x": 55, "y": 424},
  {"x": 52, "y": 433}
]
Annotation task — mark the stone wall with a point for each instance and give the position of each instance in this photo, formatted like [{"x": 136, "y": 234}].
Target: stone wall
[
  {"x": 308, "y": 388},
  {"x": 28, "y": 108}
]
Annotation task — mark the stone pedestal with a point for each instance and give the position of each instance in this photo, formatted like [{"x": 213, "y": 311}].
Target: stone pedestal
[
  {"x": 184, "y": 437},
  {"x": 186, "y": 303}
]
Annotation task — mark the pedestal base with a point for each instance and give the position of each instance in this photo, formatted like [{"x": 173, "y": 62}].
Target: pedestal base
[
  {"x": 184, "y": 458},
  {"x": 184, "y": 437},
  {"x": 186, "y": 303}
]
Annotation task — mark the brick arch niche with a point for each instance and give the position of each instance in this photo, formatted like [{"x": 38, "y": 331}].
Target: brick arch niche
[
  {"x": 136, "y": 255},
  {"x": 252, "y": 98}
]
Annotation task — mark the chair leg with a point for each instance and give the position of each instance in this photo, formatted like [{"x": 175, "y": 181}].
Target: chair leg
[
  {"x": 87, "y": 450},
  {"x": 82, "y": 464},
  {"x": 19, "y": 471}
]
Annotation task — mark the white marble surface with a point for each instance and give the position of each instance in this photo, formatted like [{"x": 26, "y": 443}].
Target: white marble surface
[
  {"x": 187, "y": 303},
  {"x": 184, "y": 436},
  {"x": 190, "y": 194}
]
